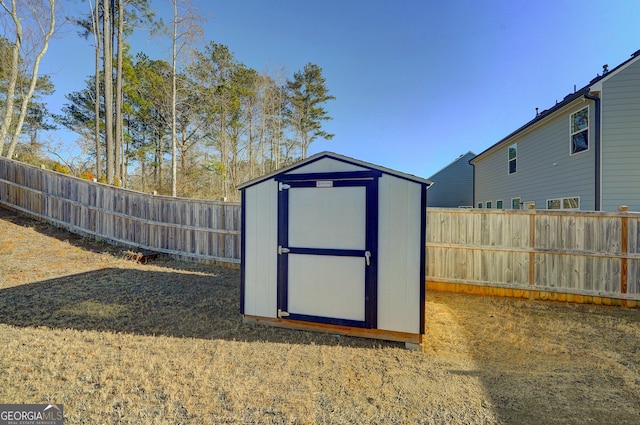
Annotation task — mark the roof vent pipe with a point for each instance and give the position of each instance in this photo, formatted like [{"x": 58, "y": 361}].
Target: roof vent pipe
[
  {"x": 605, "y": 69},
  {"x": 537, "y": 113}
]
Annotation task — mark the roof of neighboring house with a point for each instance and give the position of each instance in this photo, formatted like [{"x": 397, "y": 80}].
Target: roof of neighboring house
[
  {"x": 559, "y": 105},
  {"x": 340, "y": 158}
]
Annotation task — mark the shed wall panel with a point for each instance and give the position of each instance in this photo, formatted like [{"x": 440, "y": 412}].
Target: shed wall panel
[
  {"x": 399, "y": 250},
  {"x": 261, "y": 238},
  {"x": 327, "y": 286},
  {"x": 340, "y": 209}
]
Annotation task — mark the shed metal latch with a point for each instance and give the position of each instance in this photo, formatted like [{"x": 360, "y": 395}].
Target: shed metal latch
[
  {"x": 282, "y": 250},
  {"x": 283, "y": 186},
  {"x": 282, "y": 314},
  {"x": 367, "y": 257}
]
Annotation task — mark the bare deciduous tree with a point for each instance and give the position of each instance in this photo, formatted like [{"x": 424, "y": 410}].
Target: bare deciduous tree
[
  {"x": 37, "y": 38},
  {"x": 186, "y": 28}
]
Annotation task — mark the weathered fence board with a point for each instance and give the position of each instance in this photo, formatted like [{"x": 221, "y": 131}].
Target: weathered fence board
[
  {"x": 593, "y": 254},
  {"x": 189, "y": 228}
]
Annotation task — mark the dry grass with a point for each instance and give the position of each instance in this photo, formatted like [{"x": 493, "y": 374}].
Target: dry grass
[{"x": 120, "y": 342}]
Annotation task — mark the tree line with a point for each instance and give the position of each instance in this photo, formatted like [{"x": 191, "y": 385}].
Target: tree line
[{"x": 196, "y": 125}]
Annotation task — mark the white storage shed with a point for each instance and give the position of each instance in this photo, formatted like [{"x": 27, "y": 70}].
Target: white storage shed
[{"x": 335, "y": 244}]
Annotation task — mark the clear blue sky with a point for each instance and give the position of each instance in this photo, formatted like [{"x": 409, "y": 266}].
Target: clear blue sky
[{"x": 417, "y": 82}]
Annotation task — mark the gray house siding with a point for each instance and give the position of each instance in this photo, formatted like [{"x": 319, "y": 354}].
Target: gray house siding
[
  {"x": 621, "y": 139},
  {"x": 453, "y": 185},
  {"x": 545, "y": 167}
]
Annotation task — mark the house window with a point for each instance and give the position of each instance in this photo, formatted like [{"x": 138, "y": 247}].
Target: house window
[
  {"x": 572, "y": 203},
  {"x": 479, "y": 204},
  {"x": 488, "y": 204},
  {"x": 515, "y": 203},
  {"x": 580, "y": 131},
  {"x": 499, "y": 204},
  {"x": 513, "y": 153},
  {"x": 554, "y": 204}
]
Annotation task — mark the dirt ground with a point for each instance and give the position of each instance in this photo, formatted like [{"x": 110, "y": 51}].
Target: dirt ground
[{"x": 115, "y": 341}]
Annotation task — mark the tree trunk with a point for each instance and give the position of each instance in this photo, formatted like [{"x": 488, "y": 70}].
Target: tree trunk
[
  {"x": 119, "y": 134},
  {"x": 143, "y": 173},
  {"x": 96, "y": 106},
  {"x": 251, "y": 153},
  {"x": 224, "y": 153},
  {"x": 174, "y": 160},
  {"x": 13, "y": 76},
  {"x": 107, "y": 62}
]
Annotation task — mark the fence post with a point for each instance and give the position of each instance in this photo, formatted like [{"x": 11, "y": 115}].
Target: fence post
[
  {"x": 532, "y": 244},
  {"x": 223, "y": 226},
  {"x": 624, "y": 249}
]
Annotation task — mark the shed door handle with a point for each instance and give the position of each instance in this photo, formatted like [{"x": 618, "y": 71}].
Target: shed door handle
[{"x": 367, "y": 257}]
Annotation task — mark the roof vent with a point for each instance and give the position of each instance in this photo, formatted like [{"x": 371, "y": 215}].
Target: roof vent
[
  {"x": 605, "y": 69},
  {"x": 537, "y": 113},
  {"x": 636, "y": 53}
]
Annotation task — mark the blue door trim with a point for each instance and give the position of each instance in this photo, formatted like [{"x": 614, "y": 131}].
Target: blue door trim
[
  {"x": 367, "y": 179},
  {"x": 243, "y": 244},
  {"x": 423, "y": 255},
  {"x": 325, "y": 251},
  {"x": 283, "y": 240},
  {"x": 371, "y": 272},
  {"x": 327, "y": 320}
]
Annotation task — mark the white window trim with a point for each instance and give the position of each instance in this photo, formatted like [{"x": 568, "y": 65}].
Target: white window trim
[
  {"x": 519, "y": 202},
  {"x": 562, "y": 203},
  {"x": 514, "y": 159},
  {"x": 571, "y": 133},
  {"x": 500, "y": 200},
  {"x": 488, "y": 204}
]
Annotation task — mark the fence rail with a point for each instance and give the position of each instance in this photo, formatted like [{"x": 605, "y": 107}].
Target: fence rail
[
  {"x": 592, "y": 254},
  {"x": 187, "y": 228}
]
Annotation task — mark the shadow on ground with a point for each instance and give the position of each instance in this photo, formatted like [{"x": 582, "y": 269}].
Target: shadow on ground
[
  {"x": 173, "y": 303},
  {"x": 544, "y": 362}
]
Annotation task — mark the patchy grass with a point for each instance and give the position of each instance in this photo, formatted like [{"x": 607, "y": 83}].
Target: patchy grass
[{"x": 120, "y": 342}]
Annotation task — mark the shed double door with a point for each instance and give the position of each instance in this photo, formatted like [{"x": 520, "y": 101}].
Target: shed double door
[{"x": 327, "y": 246}]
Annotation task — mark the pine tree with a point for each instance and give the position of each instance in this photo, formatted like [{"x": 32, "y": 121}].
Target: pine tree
[{"x": 305, "y": 111}]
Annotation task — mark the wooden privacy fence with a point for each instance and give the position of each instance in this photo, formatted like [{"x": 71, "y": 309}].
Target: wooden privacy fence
[
  {"x": 566, "y": 255},
  {"x": 186, "y": 228},
  {"x": 580, "y": 256}
]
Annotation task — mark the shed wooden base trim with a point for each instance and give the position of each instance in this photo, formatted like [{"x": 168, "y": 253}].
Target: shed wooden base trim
[
  {"x": 336, "y": 329},
  {"x": 529, "y": 293}
]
